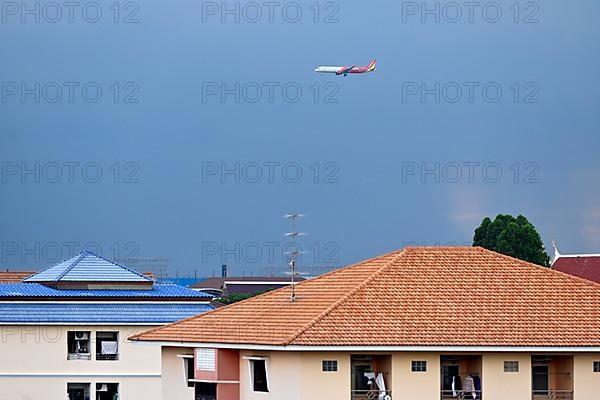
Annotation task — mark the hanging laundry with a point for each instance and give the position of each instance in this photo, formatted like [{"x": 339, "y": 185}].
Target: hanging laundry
[
  {"x": 477, "y": 382},
  {"x": 454, "y": 394},
  {"x": 470, "y": 386}
]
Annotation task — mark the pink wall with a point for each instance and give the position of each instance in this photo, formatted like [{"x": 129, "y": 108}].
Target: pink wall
[
  {"x": 228, "y": 391},
  {"x": 227, "y": 368}
]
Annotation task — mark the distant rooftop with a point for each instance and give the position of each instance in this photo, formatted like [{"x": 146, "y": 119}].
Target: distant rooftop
[
  {"x": 100, "y": 314},
  {"x": 37, "y": 291},
  {"x": 87, "y": 267},
  {"x": 14, "y": 276},
  {"x": 586, "y": 266}
]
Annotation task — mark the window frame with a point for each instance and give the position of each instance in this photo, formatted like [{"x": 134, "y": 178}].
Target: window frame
[
  {"x": 87, "y": 387},
  {"x": 596, "y": 366},
  {"x": 252, "y": 366},
  {"x": 329, "y": 366},
  {"x": 98, "y": 346},
  {"x": 418, "y": 366},
  {"x": 72, "y": 343},
  {"x": 116, "y": 385},
  {"x": 511, "y": 366}
]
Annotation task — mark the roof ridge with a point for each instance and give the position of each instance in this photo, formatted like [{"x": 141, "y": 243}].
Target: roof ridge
[
  {"x": 221, "y": 309},
  {"x": 341, "y": 300},
  {"x": 80, "y": 257},
  {"x": 122, "y": 266},
  {"x": 46, "y": 269}
]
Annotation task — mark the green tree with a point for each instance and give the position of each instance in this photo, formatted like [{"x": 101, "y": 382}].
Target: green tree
[
  {"x": 515, "y": 237},
  {"x": 234, "y": 298}
]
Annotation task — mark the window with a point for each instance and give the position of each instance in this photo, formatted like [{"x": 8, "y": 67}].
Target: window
[
  {"x": 258, "y": 370},
  {"x": 107, "y": 346},
  {"x": 78, "y": 391},
  {"x": 330, "y": 365},
  {"x": 419, "y": 366},
  {"x": 188, "y": 365},
  {"x": 206, "y": 359},
  {"x": 107, "y": 391},
  {"x": 78, "y": 345},
  {"x": 596, "y": 366},
  {"x": 511, "y": 366}
]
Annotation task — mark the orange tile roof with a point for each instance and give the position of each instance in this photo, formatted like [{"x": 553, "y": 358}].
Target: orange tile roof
[
  {"x": 419, "y": 296},
  {"x": 14, "y": 276}
]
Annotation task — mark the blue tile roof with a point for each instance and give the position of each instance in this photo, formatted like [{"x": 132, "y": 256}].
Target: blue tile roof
[
  {"x": 40, "y": 291},
  {"x": 87, "y": 267},
  {"x": 94, "y": 313}
]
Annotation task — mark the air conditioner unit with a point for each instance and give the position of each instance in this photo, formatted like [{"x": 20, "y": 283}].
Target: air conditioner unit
[{"x": 82, "y": 336}]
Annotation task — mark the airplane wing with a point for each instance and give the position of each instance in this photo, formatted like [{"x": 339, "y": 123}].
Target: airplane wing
[{"x": 345, "y": 70}]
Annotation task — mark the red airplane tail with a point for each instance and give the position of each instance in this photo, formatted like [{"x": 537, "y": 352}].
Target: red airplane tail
[{"x": 372, "y": 65}]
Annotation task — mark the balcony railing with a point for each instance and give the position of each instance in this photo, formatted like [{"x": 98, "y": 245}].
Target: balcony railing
[
  {"x": 552, "y": 395},
  {"x": 461, "y": 394},
  {"x": 373, "y": 394},
  {"x": 79, "y": 356},
  {"x": 106, "y": 357}
]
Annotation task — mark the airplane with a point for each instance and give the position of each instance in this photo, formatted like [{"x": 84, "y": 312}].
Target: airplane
[{"x": 323, "y": 69}]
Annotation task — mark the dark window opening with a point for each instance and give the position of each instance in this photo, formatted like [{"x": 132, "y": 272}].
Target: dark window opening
[
  {"x": 189, "y": 371},
  {"x": 78, "y": 345},
  {"x": 419, "y": 366},
  {"x": 259, "y": 376},
  {"x": 330, "y": 365},
  {"x": 540, "y": 379},
  {"x": 596, "y": 366},
  {"x": 107, "y": 391},
  {"x": 107, "y": 346},
  {"x": 511, "y": 366},
  {"x": 78, "y": 391},
  {"x": 206, "y": 391}
]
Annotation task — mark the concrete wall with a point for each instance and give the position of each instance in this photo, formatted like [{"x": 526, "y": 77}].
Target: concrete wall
[
  {"x": 284, "y": 375},
  {"x": 586, "y": 381},
  {"x": 317, "y": 384},
  {"x": 34, "y": 365},
  {"x": 299, "y": 376},
  {"x": 173, "y": 375},
  {"x": 499, "y": 385},
  {"x": 415, "y": 385}
]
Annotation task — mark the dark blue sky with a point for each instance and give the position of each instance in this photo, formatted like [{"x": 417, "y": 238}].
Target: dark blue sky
[{"x": 431, "y": 105}]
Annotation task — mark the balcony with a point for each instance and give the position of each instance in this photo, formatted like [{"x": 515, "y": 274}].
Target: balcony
[
  {"x": 552, "y": 395},
  {"x": 370, "y": 377},
  {"x": 79, "y": 356},
  {"x": 461, "y": 394},
  {"x": 374, "y": 394},
  {"x": 107, "y": 357}
]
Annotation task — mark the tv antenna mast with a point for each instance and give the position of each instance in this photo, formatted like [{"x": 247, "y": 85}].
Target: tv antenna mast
[{"x": 294, "y": 254}]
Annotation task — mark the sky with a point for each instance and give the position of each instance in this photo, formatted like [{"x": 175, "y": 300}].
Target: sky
[{"x": 186, "y": 130}]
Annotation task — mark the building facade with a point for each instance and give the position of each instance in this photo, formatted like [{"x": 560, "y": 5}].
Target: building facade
[
  {"x": 426, "y": 323},
  {"x": 64, "y": 330}
]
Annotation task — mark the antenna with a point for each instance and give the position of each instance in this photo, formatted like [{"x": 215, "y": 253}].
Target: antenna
[{"x": 294, "y": 254}]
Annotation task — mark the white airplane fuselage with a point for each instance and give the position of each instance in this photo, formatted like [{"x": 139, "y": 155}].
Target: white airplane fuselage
[{"x": 324, "y": 69}]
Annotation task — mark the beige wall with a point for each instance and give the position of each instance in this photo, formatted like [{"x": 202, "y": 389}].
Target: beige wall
[
  {"x": 284, "y": 376},
  {"x": 415, "y": 385},
  {"x": 33, "y": 361},
  {"x": 499, "y": 385},
  {"x": 586, "y": 381},
  {"x": 299, "y": 376},
  {"x": 325, "y": 385},
  {"x": 173, "y": 378}
]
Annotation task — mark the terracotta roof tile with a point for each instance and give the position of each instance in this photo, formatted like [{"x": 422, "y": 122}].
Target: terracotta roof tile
[
  {"x": 417, "y": 296},
  {"x": 14, "y": 276}
]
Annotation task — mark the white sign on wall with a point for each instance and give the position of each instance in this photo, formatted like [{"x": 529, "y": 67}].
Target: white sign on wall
[{"x": 205, "y": 359}]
